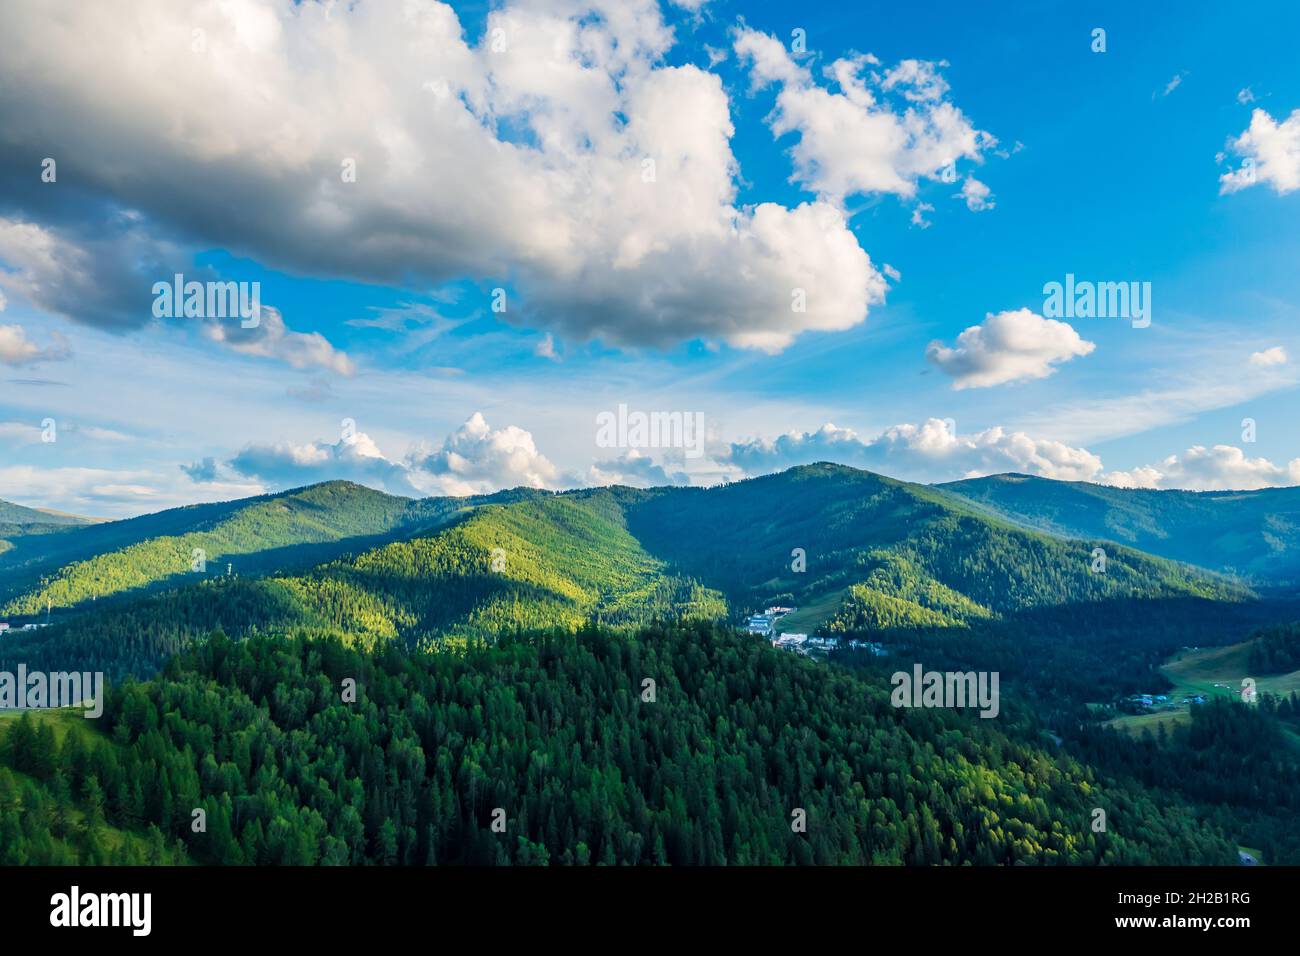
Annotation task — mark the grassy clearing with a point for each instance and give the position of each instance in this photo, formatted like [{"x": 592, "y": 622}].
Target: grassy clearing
[
  {"x": 64, "y": 719},
  {"x": 807, "y": 619},
  {"x": 1212, "y": 671}
]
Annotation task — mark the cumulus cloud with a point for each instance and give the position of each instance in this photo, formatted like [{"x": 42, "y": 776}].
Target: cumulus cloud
[
  {"x": 16, "y": 349},
  {"x": 1221, "y": 468},
  {"x": 474, "y": 459},
  {"x": 477, "y": 458},
  {"x": 1272, "y": 150},
  {"x": 1016, "y": 346},
  {"x": 1274, "y": 356},
  {"x": 558, "y": 154},
  {"x": 636, "y": 469},
  {"x": 853, "y": 140},
  {"x": 284, "y": 464},
  {"x": 107, "y": 281},
  {"x": 202, "y": 471},
  {"x": 271, "y": 338},
  {"x": 98, "y": 275},
  {"x": 917, "y": 80},
  {"x": 978, "y": 197},
  {"x": 928, "y": 452}
]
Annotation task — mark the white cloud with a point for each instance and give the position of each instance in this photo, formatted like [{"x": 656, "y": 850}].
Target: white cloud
[
  {"x": 1221, "y": 468},
  {"x": 918, "y": 80},
  {"x": 477, "y": 458},
  {"x": 1008, "y": 347},
  {"x": 20, "y": 433},
  {"x": 63, "y": 431},
  {"x": 928, "y": 452},
  {"x": 271, "y": 338},
  {"x": 474, "y": 459},
  {"x": 977, "y": 195},
  {"x": 17, "y": 349},
  {"x": 1274, "y": 356},
  {"x": 1273, "y": 152},
  {"x": 636, "y": 469},
  {"x": 854, "y": 141},
  {"x": 284, "y": 465},
  {"x": 1105, "y": 418},
  {"x": 1245, "y": 96},
  {"x": 515, "y": 159},
  {"x": 103, "y": 492}
]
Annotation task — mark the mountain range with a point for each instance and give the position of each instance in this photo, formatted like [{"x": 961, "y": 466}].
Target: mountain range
[
  {"x": 1074, "y": 593},
  {"x": 1251, "y": 534}
]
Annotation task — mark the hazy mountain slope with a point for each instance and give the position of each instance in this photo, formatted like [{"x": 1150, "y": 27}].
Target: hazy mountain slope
[
  {"x": 1255, "y": 534},
  {"x": 17, "y": 521},
  {"x": 12, "y": 514}
]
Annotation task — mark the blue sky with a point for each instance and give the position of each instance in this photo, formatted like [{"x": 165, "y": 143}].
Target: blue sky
[{"x": 212, "y": 148}]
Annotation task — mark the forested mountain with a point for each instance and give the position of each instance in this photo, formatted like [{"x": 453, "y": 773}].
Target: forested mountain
[
  {"x": 1255, "y": 534},
  {"x": 292, "y": 529},
  {"x": 501, "y": 644},
  {"x": 740, "y": 754},
  {"x": 483, "y": 567}
]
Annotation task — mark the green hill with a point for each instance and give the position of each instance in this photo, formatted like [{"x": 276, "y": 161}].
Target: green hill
[
  {"x": 546, "y": 562},
  {"x": 293, "y": 529},
  {"x": 1254, "y": 534}
]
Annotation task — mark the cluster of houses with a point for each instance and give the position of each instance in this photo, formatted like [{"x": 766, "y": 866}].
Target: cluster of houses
[
  {"x": 765, "y": 625},
  {"x": 803, "y": 644},
  {"x": 5, "y": 628},
  {"x": 1158, "y": 700},
  {"x": 1148, "y": 700},
  {"x": 765, "y": 622}
]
